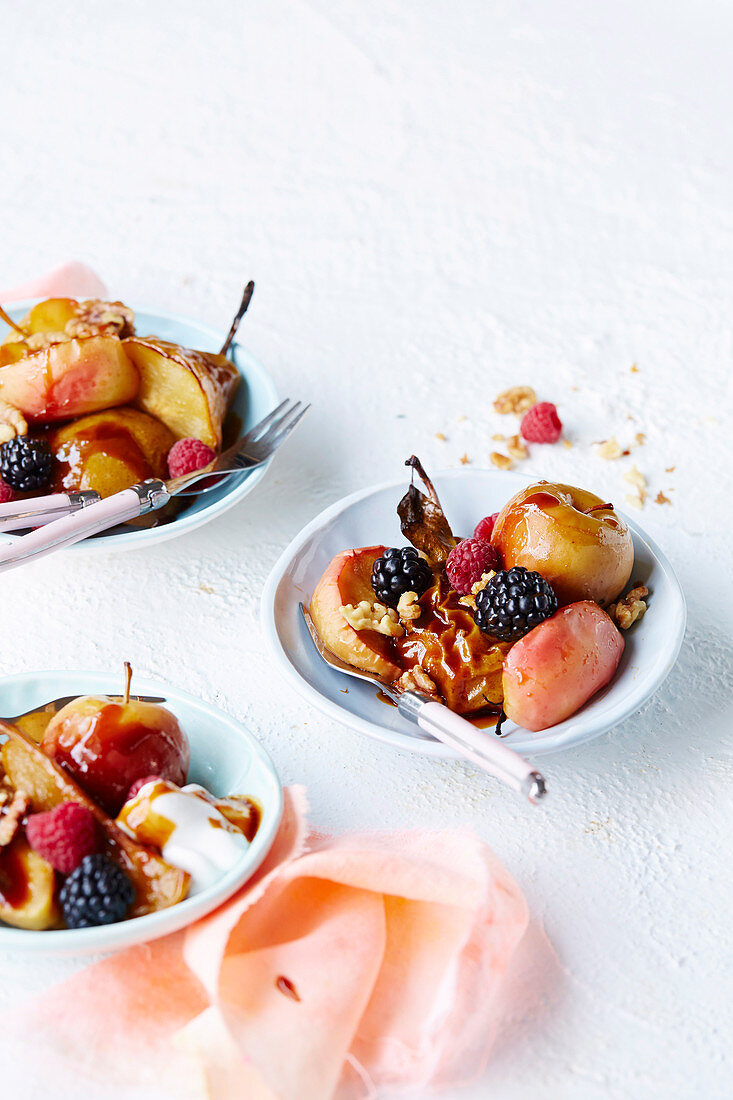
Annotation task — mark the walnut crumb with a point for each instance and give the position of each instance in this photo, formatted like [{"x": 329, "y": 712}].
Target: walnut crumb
[
  {"x": 12, "y": 422},
  {"x": 504, "y": 462},
  {"x": 669, "y": 469},
  {"x": 609, "y": 449},
  {"x": 408, "y": 607},
  {"x": 567, "y": 443},
  {"x": 517, "y": 399},
  {"x": 516, "y": 447},
  {"x": 498, "y": 437},
  {"x": 366, "y": 616},
  {"x": 11, "y": 814},
  {"x": 636, "y": 478},
  {"x": 634, "y": 369},
  {"x": 465, "y": 460},
  {"x": 470, "y": 601},
  {"x": 640, "y": 439},
  {"x": 660, "y": 498},
  {"x": 631, "y": 608},
  {"x": 416, "y": 679},
  {"x": 442, "y": 438}
]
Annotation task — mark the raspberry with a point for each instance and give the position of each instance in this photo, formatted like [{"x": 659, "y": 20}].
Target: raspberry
[
  {"x": 63, "y": 836},
  {"x": 136, "y": 786},
  {"x": 7, "y": 492},
  {"x": 541, "y": 424},
  {"x": 485, "y": 528},
  {"x": 468, "y": 562},
  {"x": 188, "y": 455}
]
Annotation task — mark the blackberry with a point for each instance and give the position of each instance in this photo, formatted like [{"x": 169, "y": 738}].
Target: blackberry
[
  {"x": 513, "y": 602},
  {"x": 97, "y": 892},
  {"x": 400, "y": 569},
  {"x": 26, "y": 464}
]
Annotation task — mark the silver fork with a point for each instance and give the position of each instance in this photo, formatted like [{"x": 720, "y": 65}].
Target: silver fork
[
  {"x": 92, "y": 517},
  {"x": 446, "y": 726}
]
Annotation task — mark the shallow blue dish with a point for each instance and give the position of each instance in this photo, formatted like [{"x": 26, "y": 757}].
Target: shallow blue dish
[
  {"x": 225, "y": 758},
  {"x": 255, "y": 397}
]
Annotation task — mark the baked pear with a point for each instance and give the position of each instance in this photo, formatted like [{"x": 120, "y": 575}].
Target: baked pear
[
  {"x": 27, "y": 888},
  {"x": 189, "y": 391}
]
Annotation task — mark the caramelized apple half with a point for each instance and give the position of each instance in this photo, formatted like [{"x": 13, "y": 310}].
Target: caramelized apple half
[
  {"x": 157, "y": 883},
  {"x": 27, "y": 888},
  {"x": 190, "y": 391}
]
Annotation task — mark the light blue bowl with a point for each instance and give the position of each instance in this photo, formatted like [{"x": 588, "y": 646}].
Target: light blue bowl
[
  {"x": 255, "y": 397},
  {"x": 225, "y": 758}
]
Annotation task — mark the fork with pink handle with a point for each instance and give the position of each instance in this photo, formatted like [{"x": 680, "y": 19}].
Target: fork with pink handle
[{"x": 84, "y": 514}]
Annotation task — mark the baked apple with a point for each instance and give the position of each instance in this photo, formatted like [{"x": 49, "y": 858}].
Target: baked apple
[
  {"x": 110, "y": 451},
  {"x": 27, "y": 887},
  {"x": 188, "y": 390},
  {"x": 69, "y": 379},
  {"x": 555, "y": 668},
  {"x": 105, "y": 744},
  {"x": 571, "y": 537},
  {"x": 347, "y": 580}
]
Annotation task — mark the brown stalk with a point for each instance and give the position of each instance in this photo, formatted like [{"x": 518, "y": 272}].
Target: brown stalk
[{"x": 243, "y": 305}]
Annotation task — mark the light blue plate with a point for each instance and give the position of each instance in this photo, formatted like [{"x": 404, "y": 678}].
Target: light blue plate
[
  {"x": 225, "y": 758},
  {"x": 255, "y": 397}
]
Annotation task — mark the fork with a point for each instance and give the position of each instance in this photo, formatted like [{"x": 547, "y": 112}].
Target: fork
[
  {"x": 92, "y": 517},
  {"x": 446, "y": 726}
]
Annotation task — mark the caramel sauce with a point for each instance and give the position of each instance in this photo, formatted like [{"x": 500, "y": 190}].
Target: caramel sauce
[
  {"x": 107, "y": 438},
  {"x": 385, "y": 698},
  {"x": 445, "y": 642},
  {"x": 14, "y": 883}
]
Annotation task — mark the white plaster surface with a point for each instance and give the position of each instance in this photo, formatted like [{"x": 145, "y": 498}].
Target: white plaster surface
[{"x": 436, "y": 200}]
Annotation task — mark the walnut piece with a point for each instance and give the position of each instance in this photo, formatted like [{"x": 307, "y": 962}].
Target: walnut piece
[
  {"x": 635, "y": 477},
  {"x": 470, "y": 601},
  {"x": 504, "y": 462},
  {"x": 97, "y": 318},
  {"x": 12, "y": 422},
  {"x": 367, "y": 616},
  {"x": 415, "y": 679},
  {"x": 408, "y": 607},
  {"x": 630, "y": 608},
  {"x": 610, "y": 449},
  {"x": 517, "y": 399},
  {"x": 516, "y": 447},
  {"x": 11, "y": 814}
]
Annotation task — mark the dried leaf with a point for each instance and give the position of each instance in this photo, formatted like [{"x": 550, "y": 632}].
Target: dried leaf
[{"x": 423, "y": 520}]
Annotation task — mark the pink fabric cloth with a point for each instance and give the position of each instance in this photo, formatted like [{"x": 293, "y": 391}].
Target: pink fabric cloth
[
  {"x": 346, "y": 966},
  {"x": 74, "y": 280}
]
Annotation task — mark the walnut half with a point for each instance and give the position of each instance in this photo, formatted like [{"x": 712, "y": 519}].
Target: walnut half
[
  {"x": 367, "y": 616},
  {"x": 12, "y": 422},
  {"x": 630, "y": 608}
]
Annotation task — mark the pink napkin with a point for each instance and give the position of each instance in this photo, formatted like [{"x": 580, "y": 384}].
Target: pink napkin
[
  {"x": 346, "y": 966},
  {"x": 74, "y": 279}
]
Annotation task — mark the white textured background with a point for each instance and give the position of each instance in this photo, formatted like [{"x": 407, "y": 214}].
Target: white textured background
[{"x": 436, "y": 200}]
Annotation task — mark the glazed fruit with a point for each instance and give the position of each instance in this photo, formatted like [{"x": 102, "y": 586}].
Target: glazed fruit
[
  {"x": 27, "y": 888},
  {"x": 512, "y": 603},
  {"x": 70, "y": 379},
  {"x": 110, "y": 451},
  {"x": 26, "y": 464},
  {"x": 400, "y": 570},
  {"x": 106, "y": 744},
  {"x": 189, "y": 391},
  {"x": 559, "y": 665},
  {"x": 97, "y": 892},
  {"x": 157, "y": 883},
  {"x": 571, "y": 537},
  {"x": 347, "y": 580}
]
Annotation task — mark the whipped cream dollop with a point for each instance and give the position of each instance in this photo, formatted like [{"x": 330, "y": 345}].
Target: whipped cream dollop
[{"x": 187, "y": 827}]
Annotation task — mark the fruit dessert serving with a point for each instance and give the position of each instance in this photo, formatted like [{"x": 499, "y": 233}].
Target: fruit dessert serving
[
  {"x": 520, "y": 620},
  {"x": 97, "y": 821},
  {"x": 88, "y": 404}
]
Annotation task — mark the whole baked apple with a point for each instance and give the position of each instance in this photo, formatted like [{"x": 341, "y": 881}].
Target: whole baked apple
[
  {"x": 105, "y": 744},
  {"x": 571, "y": 537}
]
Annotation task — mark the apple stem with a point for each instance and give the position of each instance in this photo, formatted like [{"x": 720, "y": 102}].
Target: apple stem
[
  {"x": 11, "y": 322},
  {"x": 128, "y": 681},
  {"x": 243, "y": 305},
  {"x": 597, "y": 508}
]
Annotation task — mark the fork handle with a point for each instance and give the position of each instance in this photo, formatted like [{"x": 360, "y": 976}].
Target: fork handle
[
  {"x": 35, "y": 512},
  {"x": 119, "y": 508},
  {"x": 487, "y": 753}
]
